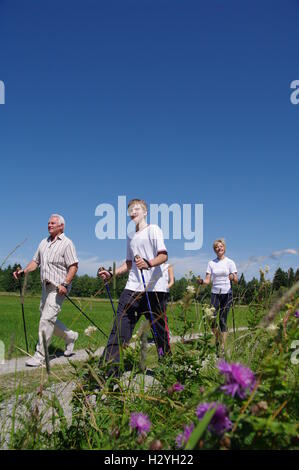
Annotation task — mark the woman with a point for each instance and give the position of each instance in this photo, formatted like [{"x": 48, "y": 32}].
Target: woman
[{"x": 221, "y": 272}]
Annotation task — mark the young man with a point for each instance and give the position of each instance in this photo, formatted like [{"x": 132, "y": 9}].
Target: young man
[
  {"x": 58, "y": 262},
  {"x": 146, "y": 252}
]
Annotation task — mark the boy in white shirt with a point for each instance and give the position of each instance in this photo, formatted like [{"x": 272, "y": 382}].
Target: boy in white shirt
[{"x": 146, "y": 252}]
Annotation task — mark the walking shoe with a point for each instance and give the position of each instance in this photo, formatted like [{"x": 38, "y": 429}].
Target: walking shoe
[
  {"x": 70, "y": 345},
  {"x": 35, "y": 361}
]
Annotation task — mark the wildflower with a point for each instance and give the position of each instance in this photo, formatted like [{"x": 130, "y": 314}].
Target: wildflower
[
  {"x": 259, "y": 408},
  {"x": 183, "y": 438},
  {"x": 156, "y": 445},
  {"x": 140, "y": 422},
  {"x": 272, "y": 327},
  {"x": 160, "y": 352},
  {"x": 296, "y": 314},
  {"x": 263, "y": 405},
  {"x": 220, "y": 421},
  {"x": 90, "y": 330},
  {"x": 239, "y": 379},
  {"x": 115, "y": 433},
  {"x": 225, "y": 442},
  {"x": 190, "y": 289},
  {"x": 177, "y": 387},
  {"x": 209, "y": 312}
]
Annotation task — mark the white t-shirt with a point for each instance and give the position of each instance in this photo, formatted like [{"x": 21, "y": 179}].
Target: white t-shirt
[
  {"x": 220, "y": 270},
  {"x": 165, "y": 267},
  {"x": 146, "y": 243}
]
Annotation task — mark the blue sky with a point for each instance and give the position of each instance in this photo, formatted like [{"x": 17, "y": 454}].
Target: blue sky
[{"x": 171, "y": 101}]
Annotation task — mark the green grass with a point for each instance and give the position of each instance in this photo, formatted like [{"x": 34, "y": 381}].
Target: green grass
[{"x": 100, "y": 311}]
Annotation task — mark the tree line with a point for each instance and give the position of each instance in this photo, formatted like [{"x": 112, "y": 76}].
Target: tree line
[{"x": 245, "y": 292}]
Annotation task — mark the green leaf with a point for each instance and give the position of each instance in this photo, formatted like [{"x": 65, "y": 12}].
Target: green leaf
[{"x": 200, "y": 429}]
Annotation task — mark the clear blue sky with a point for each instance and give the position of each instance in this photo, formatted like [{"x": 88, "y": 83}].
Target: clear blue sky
[{"x": 170, "y": 101}]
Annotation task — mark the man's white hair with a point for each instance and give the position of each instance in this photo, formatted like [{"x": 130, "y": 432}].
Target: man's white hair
[{"x": 59, "y": 217}]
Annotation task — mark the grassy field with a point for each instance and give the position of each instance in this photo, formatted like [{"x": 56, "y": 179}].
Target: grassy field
[{"x": 99, "y": 310}]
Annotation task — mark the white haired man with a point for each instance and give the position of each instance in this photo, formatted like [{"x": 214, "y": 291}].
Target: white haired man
[{"x": 56, "y": 257}]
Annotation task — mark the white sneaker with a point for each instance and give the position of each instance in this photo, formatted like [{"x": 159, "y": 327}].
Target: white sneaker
[
  {"x": 70, "y": 346},
  {"x": 34, "y": 361}
]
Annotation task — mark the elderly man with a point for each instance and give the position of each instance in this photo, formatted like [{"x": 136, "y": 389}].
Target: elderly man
[{"x": 58, "y": 262}]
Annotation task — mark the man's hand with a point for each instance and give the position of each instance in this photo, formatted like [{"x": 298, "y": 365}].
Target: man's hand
[
  {"x": 199, "y": 281},
  {"x": 231, "y": 277},
  {"x": 104, "y": 274},
  {"x": 62, "y": 290},
  {"x": 141, "y": 263},
  {"x": 18, "y": 273}
]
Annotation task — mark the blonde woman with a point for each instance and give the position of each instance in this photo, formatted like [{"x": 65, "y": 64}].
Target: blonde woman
[{"x": 221, "y": 272}]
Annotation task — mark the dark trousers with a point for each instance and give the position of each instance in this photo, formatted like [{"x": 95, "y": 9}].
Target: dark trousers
[
  {"x": 131, "y": 306},
  {"x": 221, "y": 303}
]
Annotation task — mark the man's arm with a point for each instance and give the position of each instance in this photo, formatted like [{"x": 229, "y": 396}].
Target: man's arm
[
  {"x": 171, "y": 277},
  {"x": 161, "y": 258},
  {"x": 29, "y": 269},
  {"x": 72, "y": 270},
  {"x": 122, "y": 269},
  {"x": 71, "y": 273}
]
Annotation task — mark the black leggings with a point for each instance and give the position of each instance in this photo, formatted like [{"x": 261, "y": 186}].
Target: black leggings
[
  {"x": 131, "y": 306},
  {"x": 221, "y": 303}
]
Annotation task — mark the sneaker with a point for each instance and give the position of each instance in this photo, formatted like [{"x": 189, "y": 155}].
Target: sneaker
[
  {"x": 70, "y": 346},
  {"x": 35, "y": 361}
]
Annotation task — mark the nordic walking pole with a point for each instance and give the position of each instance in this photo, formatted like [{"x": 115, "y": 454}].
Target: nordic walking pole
[
  {"x": 233, "y": 311},
  {"x": 149, "y": 306},
  {"x": 89, "y": 319},
  {"x": 101, "y": 268},
  {"x": 23, "y": 315}
]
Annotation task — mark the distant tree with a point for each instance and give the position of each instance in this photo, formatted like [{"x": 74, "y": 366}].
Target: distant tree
[
  {"x": 280, "y": 279},
  {"x": 251, "y": 292},
  {"x": 178, "y": 289},
  {"x": 291, "y": 277}
]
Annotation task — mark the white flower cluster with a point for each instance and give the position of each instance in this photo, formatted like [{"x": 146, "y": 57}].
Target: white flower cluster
[
  {"x": 190, "y": 289},
  {"x": 209, "y": 312},
  {"x": 209, "y": 361},
  {"x": 90, "y": 330}
]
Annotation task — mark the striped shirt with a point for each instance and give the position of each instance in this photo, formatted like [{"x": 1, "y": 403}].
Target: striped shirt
[{"x": 54, "y": 258}]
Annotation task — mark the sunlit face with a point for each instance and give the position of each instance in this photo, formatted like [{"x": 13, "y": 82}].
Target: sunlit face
[
  {"x": 137, "y": 213},
  {"x": 55, "y": 227},
  {"x": 219, "y": 249}
]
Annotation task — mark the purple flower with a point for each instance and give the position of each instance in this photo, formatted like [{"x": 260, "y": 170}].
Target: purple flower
[
  {"x": 177, "y": 387},
  {"x": 160, "y": 352},
  {"x": 220, "y": 421},
  {"x": 296, "y": 314},
  {"x": 183, "y": 438},
  {"x": 141, "y": 422},
  {"x": 239, "y": 379}
]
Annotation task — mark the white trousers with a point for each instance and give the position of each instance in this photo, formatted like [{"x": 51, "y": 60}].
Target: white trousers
[{"x": 50, "y": 306}]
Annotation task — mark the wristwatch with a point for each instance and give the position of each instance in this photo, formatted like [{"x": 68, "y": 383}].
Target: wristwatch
[{"x": 64, "y": 284}]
